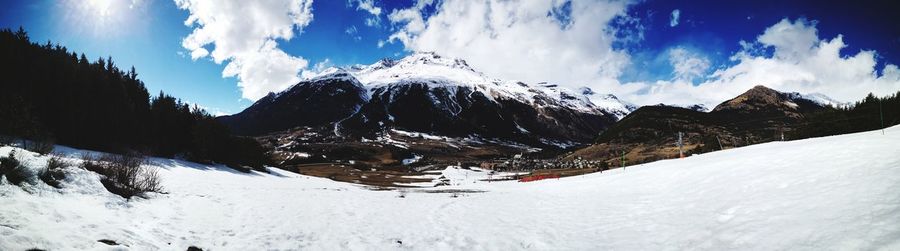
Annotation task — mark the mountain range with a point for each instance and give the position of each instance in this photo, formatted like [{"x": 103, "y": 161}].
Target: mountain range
[{"x": 429, "y": 105}]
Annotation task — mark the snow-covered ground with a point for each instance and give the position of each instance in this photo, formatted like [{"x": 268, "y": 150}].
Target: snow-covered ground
[{"x": 833, "y": 193}]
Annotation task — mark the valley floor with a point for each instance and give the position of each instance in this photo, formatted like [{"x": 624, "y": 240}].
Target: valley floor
[{"x": 832, "y": 193}]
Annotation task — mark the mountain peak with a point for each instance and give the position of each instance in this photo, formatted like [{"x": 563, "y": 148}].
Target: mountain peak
[
  {"x": 757, "y": 96},
  {"x": 761, "y": 98},
  {"x": 387, "y": 62},
  {"x": 760, "y": 92},
  {"x": 432, "y": 58},
  {"x": 332, "y": 73},
  {"x": 587, "y": 91},
  {"x": 761, "y": 88}
]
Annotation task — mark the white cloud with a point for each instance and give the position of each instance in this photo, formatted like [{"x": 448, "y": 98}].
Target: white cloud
[
  {"x": 519, "y": 40},
  {"x": 368, "y": 6},
  {"x": 265, "y": 70},
  {"x": 353, "y": 32},
  {"x": 244, "y": 33},
  {"x": 801, "y": 62},
  {"x": 673, "y": 21},
  {"x": 413, "y": 24},
  {"x": 317, "y": 69},
  {"x": 792, "y": 41},
  {"x": 687, "y": 65}
]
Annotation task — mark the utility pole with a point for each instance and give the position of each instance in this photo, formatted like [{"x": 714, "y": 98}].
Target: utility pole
[
  {"x": 680, "y": 146},
  {"x": 622, "y": 146},
  {"x": 781, "y": 129}
]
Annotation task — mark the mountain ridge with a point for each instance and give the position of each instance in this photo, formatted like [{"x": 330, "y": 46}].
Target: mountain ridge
[{"x": 363, "y": 107}]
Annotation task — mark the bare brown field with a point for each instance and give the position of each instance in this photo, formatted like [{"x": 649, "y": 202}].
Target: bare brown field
[{"x": 382, "y": 177}]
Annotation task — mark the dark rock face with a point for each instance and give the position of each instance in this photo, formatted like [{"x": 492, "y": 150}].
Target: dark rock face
[
  {"x": 556, "y": 123},
  {"x": 417, "y": 107},
  {"x": 460, "y": 111},
  {"x": 316, "y": 102}
]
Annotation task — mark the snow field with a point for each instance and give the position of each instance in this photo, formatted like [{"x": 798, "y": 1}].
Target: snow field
[{"x": 832, "y": 193}]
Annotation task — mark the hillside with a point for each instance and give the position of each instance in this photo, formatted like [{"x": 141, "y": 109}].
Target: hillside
[
  {"x": 650, "y": 133},
  {"x": 836, "y": 192}
]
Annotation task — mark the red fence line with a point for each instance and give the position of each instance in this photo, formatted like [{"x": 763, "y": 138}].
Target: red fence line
[{"x": 539, "y": 177}]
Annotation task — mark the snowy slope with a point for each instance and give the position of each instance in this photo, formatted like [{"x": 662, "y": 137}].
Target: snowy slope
[
  {"x": 816, "y": 98},
  {"x": 823, "y": 100},
  {"x": 833, "y": 193}
]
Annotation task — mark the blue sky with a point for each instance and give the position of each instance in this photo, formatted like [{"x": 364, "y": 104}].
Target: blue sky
[
  {"x": 715, "y": 27},
  {"x": 639, "y": 45}
]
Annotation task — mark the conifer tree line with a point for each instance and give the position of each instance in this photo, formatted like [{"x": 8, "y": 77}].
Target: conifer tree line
[
  {"x": 871, "y": 113},
  {"x": 50, "y": 93}
]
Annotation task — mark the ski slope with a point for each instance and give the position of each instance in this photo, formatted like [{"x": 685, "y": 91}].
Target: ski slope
[{"x": 832, "y": 193}]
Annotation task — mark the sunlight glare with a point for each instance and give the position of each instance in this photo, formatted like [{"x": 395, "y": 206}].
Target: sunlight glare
[
  {"x": 102, "y": 18},
  {"x": 101, "y": 7}
]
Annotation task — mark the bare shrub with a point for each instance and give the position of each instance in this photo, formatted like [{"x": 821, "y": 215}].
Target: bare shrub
[
  {"x": 8, "y": 162},
  {"x": 91, "y": 163},
  {"x": 124, "y": 175},
  {"x": 53, "y": 173},
  {"x": 14, "y": 171},
  {"x": 57, "y": 162}
]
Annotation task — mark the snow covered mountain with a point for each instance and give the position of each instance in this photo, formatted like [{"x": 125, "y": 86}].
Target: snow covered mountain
[
  {"x": 428, "y": 93},
  {"x": 437, "y": 71},
  {"x": 822, "y": 100}
]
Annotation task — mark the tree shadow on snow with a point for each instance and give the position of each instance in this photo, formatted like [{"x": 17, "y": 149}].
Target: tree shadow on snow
[
  {"x": 173, "y": 163},
  {"x": 167, "y": 164}
]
